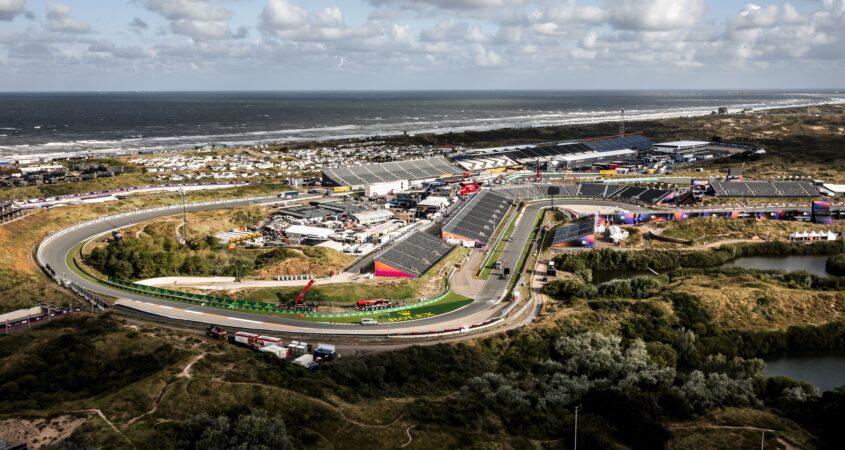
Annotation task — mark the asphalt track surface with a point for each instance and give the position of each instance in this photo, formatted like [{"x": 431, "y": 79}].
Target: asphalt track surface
[{"x": 54, "y": 250}]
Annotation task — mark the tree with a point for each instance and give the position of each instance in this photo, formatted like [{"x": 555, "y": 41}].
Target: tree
[{"x": 251, "y": 431}]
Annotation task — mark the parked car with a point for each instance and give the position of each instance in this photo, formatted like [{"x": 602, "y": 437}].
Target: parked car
[{"x": 369, "y": 321}]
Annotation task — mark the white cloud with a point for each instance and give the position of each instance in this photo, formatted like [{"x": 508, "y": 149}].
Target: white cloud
[
  {"x": 282, "y": 15},
  {"x": 9, "y": 9},
  {"x": 60, "y": 18},
  {"x": 199, "y": 20},
  {"x": 655, "y": 14},
  {"x": 753, "y": 16}
]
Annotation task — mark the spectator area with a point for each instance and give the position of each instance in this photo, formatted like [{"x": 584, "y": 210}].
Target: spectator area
[
  {"x": 412, "y": 257},
  {"x": 478, "y": 220}
]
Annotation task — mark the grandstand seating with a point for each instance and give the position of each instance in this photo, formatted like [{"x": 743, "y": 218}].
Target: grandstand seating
[
  {"x": 415, "y": 169},
  {"x": 478, "y": 220},
  {"x": 415, "y": 254},
  {"x": 639, "y": 194},
  {"x": 634, "y": 142},
  {"x": 596, "y": 190},
  {"x": 763, "y": 188}
]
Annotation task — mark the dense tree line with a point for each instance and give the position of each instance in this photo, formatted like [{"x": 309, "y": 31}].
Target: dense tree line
[
  {"x": 162, "y": 256},
  {"x": 249, "y": 430},
  {"x": 607, "y": 259},
  {"x": 836, "y": 264},
  {"x": 636, "y": 288},
  {"x": 69, "y": 366}
]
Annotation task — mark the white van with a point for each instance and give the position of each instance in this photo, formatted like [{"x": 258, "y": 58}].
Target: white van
[{"x": 369, "y": 321}]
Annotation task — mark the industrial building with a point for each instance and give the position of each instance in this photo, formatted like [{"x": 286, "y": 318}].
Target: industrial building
[
  {"x": 372, "y": 217},
  {"x": 573, "y": 160},
  {"x": 681, "y": 147},
  {"x": 597, "y": 149}
]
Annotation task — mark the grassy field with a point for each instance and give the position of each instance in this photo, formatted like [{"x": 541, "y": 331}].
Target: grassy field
[
  {"x": 344, "y": 294},
  {"x": 22, "y": 282}
]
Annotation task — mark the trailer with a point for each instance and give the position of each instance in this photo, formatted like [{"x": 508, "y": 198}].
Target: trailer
[
  {"x": 244, "y": 339},
  {"x": 264, "y": 341},
  {"x": 278, "y": 351}
]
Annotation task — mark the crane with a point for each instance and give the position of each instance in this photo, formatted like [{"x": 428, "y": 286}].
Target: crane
[{"x": 299, "y": 301}]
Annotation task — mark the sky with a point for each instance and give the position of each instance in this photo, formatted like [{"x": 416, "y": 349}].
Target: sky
[{"x": 161, "y": 45}]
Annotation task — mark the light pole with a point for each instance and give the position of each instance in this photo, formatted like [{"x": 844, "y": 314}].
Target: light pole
[{"x": 575, "y": 443}]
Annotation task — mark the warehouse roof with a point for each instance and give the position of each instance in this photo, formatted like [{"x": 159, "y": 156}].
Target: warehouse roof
[
  {"x": 594, "y": 154},
  {"x": 302, "y": 230},
  {"x": 374, "y": 214},
  {"x": 415, "y": 169}
]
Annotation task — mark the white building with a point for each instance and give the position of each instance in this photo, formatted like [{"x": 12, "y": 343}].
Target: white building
[
  {"x": 379, "y": 189},
  {"x": 681, "y": 147},
  {"x": 373, "y": 216},
  {"x": 583, "y": 158},
  {"x": 302, "y": 231}
]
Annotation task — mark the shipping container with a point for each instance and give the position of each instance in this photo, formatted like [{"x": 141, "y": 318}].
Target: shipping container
[{"x": 339, "y": 189}]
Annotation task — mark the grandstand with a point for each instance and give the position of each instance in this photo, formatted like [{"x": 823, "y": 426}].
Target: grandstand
[
  {"x": 631, "y": 194},
  {"x": 632, "y": 142},
  {"x": 589, "y": 148},
  {"x": 596, "y": 190},
  {"x": 636, "y": 194},
  {"x": 578, "y": 233},
  {"x": 411, "y": 257},
  {"x": 722, "y": 188},
  {"x": 411, "y": 170},
  {"x": 477, "y": 221}
]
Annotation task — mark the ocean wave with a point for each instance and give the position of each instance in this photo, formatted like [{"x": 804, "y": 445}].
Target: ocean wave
[{"x": 440, "y": 123}]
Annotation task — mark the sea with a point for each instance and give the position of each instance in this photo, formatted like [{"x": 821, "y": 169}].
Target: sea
[{"x": 61, "y": 124}]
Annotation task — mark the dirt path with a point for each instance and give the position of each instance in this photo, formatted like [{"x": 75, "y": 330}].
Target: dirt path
[
  {"x": 187, "y": 372},
  {"x": 319, "y": 402},
  {"x": 410, "y": 439},
  {"x": 107, "y": 421},
  {"x": 786, "y": 444}
]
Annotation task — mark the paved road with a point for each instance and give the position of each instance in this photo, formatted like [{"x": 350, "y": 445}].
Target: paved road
[{"x": 54, "y": 253}]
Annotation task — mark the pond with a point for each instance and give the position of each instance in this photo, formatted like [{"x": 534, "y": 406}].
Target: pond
[
  {"x": 814, "y": 264},
  {"x": 823, "y": 369}
]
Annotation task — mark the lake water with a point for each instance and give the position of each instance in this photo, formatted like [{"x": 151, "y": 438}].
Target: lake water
[
  {"x": 823, "y": 369},
  {"x": 812, "y": 264},
  {"x": 604, "y": 276}
]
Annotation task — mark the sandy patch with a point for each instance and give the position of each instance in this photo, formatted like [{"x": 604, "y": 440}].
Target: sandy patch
[{"x": 39, "y": 433}]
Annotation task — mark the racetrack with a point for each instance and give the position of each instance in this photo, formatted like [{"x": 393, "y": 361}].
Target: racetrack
[{"x": 53, "y": 253}]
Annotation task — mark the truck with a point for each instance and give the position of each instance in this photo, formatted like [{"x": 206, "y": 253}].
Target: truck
[
  {"x": 372, "y": 304},
  {"x": 299, "y": 303},
  {"x": 216, "y": 332},
  {"x": 468, "y": 187},
  {"x": 287, "y": 195},
  {"x": 550, "y": 268}
]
